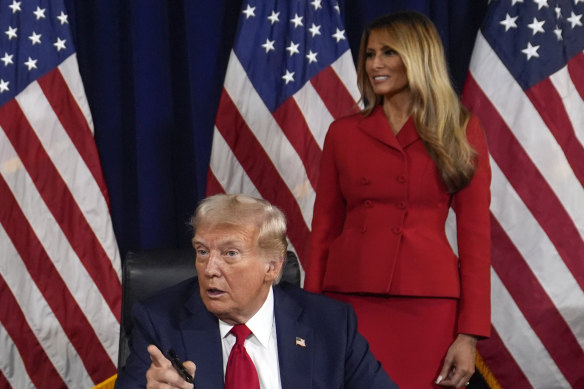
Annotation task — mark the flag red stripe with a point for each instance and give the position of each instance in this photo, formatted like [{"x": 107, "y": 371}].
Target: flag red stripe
[
  {"x": 65, "y": 107},
  {"x": 40, "y": 369},
  {"x": 501, "y": 362},
  {"x": 524, "y": 177},
  {"x": 333, "y": 93},
  {"x": 260, "y": 169},
  {"x": 213, "y": 185},
  {"x": 294, "y": 126},
  {"x": 3, "y": 381},
  {"x": 58, "y": 198},
  {"x": 548, "y": 103},
  {"x": 53, "y": 288},
  {"x": 536, "y": 306},
  {"x": 576, "y": 70}
]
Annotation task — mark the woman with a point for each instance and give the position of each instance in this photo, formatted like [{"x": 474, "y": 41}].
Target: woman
[{"x": 388, "y": 178}]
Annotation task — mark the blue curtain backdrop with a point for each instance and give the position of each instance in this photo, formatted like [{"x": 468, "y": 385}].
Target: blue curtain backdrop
[{"x": 153, "y": 72}]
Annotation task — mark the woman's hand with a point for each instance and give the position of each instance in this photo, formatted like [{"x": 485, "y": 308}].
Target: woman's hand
[{"x": 459, "y": 364}]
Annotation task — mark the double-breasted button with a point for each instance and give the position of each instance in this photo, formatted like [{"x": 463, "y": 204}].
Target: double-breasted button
[
  {"x": 402, "y": 179},
  {"x": 363, "y": 229},
  {"x": 396, "y": 230},
  {"x": 401, "y": 204},
  {"x": 365, "y": 180},
  {"x": 368, "y": 204}
]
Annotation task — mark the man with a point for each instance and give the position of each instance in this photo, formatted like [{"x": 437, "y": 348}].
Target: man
[{"x": 298, "y": 339}]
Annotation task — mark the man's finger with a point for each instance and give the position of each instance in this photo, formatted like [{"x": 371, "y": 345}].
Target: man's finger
[
  {"x": 191, "y": 367},
  {"x": 156, "y": 356}
]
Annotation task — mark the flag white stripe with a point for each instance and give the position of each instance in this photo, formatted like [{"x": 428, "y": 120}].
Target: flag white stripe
[
  {"x": 227, "y": 169},
  {"x": 269, "y": 134},
  {"x": 231, "y": 175},
  {"x": 72, "y": 168},
  {"x": 521, "y": 341},
  {"x": 529, "y": 129},
  {"x": 543, "y": 259},
  {"x": 40, "y": 317},
  {"x": 11, "y": 364},
  {"x": 70, "y": 72},
  {"x": 573, "y": 103},
  {"x": 315, "y": 112},
  {"x": 57, "y": 247},
  {"x": 345, "y": 69}
]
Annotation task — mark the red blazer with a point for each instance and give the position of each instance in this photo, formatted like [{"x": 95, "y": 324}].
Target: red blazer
[{"x": 379, "y": 220}]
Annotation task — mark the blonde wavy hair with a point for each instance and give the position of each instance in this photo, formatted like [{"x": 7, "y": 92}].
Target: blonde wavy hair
[{"x": 439, "y": 116}]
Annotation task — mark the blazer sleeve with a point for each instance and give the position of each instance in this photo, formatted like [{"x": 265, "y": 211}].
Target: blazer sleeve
[
  {"x": 362, "y": 370},
  {"x": 471, "y": 205},
  {"x": 328, "y": 215},
  {"x": 133, "y": 375}
]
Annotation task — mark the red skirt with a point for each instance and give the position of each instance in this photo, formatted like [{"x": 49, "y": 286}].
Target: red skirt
[{"x": 408, "y": 335}]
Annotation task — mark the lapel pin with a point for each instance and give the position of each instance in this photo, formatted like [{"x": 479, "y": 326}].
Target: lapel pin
[{"x": 300, "y": 342}]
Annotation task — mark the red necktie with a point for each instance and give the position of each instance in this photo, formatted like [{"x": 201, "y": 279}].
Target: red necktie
[{"x": 240, "y": 372}]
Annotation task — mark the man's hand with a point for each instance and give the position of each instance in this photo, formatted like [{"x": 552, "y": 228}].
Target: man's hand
[
  {"x": 459, "y": 364},
  {"x": 161, "y": 374}
]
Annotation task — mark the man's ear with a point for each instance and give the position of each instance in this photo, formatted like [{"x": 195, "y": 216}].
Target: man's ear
[{"x": 274, "y": 268}]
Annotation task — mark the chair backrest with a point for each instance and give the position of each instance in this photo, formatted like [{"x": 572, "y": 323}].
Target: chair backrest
[{"x": 146, "y": 272}]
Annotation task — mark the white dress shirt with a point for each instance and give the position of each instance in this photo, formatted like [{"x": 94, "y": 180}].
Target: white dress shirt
[{"x": 261, "y": 345}]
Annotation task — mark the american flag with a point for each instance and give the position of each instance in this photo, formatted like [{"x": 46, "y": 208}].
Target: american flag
[
  {"x": 526, "y": 84},
  {"x": 289, "y": 75},
  {"x": 59, "y": 263}
]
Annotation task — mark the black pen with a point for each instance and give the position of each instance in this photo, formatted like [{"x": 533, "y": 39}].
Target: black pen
[{"x": 178, "y": 365}]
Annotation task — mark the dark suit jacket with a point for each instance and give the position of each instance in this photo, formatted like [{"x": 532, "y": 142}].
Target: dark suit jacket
[
  {"x": 379, "y": 216},
  {"x": 335, "y": 356}
]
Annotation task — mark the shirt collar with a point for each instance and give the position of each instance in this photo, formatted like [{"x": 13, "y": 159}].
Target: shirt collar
[{"x": 260, "y": 324}]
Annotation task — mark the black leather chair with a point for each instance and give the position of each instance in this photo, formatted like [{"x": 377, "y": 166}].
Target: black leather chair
[{"x": 148, "y": 271}]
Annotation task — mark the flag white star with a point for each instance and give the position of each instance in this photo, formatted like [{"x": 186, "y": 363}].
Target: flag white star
[
  {"x": 311, "y": 56},
  {"x": 63, "y": 18},
  {"x": 530, "y": 51},
  {"x": 541, "y": 4},
  {"x": 316, "y": 4},
  {"x": 35, "y": 38},
  {"x": 314, "y": 30},
  {"x": 293, "y": 48},
  {"x": 297, "y": 21},
  {"x": 249, "y": 11},
  {"x": 509, "y": 22},
  {"x": 15, "y": 6},
  {"x": 558, "y": 12},
  {"x": 558, "y": 32},
  {"x": 578, "y": 1},
  {"x": 288, "y": 77},
  {"x": 339, "y": 35},
  {"x": 60, "y": 44},
  {"x": 11, "y": 32},
  {"x": 269, "y": 45},
  {"x": 575, "y": 19},
  {"x": 39, "y": 12},
  {"x": 273, "y": 18},
  {"x": 7, "y": 59},
  {"x": 336, "y": 7},
  {"x": 4, "y": 86},
  {"x": 31, "y": 63},
  {"x": 513, "y": 2},
  {"x": 536, "y": 26}
]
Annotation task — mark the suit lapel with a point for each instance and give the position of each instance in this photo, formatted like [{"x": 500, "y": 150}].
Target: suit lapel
[
  {"x": 377, "y": 126},
  {"x": 201, "y": 337},
  {"x": 408, "y": 134},
  {"x": 295, "y": 358}
]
